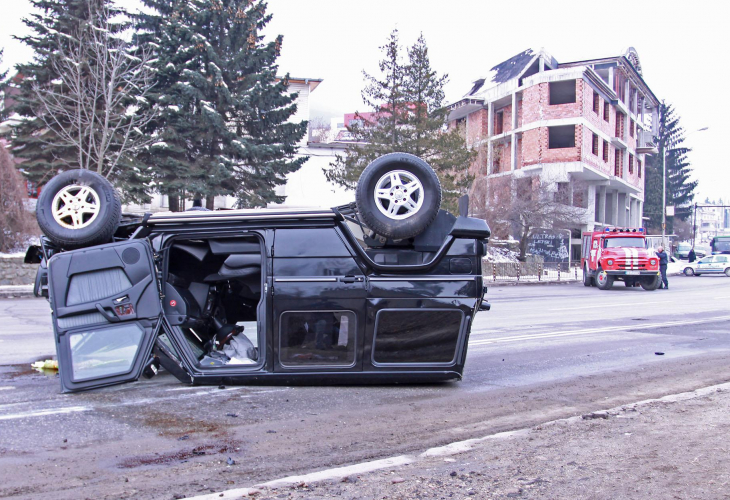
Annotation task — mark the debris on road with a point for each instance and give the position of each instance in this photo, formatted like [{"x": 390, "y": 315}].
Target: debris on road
[
  {"x": 595, "y": 414},
  {"x": 49, "y": 364}
]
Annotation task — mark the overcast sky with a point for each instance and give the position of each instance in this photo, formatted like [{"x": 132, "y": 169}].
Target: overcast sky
[{"x": 682, "y": 47}]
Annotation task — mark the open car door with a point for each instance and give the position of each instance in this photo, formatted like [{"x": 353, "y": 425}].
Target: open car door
[{"x": 106, "y": 313}]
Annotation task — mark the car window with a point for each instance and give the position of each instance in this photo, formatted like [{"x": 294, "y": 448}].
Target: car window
[
  {"x": 624, "y": 242},
  {"x": 706, "y": 260},
  {"x": 721, "y": 258}
]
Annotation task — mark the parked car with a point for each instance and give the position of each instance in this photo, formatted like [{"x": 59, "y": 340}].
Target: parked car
[
  {"x": 712, "y": 264},
  {"x": 683, "y": 250},
  {"x": 381, "y": 290}
]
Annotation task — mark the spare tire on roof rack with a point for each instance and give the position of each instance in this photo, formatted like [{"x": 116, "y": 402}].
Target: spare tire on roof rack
[
  {"x": 398, "y": 195},
  {"x": 78, "y": 208}
]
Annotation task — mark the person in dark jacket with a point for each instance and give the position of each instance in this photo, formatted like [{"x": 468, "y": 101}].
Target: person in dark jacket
[
  {"x": 692, "y": 256},
  {"x": 663, "y": 260}
]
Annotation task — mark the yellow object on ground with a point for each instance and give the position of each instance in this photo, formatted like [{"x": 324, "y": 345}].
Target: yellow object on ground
[{"x": 49, "y": 364}]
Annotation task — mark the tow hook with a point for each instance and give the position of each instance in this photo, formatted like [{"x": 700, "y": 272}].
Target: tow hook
[{"x": 152, "y": 367}]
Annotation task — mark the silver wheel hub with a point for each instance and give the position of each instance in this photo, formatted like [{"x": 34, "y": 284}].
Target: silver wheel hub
[
  {"x": 398, "y": 194},
  {"x": 75, "y": 206}
]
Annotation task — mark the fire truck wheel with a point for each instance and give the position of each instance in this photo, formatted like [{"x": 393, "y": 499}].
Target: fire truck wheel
[
  {"x": 587, "y": 280},
  {"x": 651, "y": 283},
  {"x": 603, "y": 280}
]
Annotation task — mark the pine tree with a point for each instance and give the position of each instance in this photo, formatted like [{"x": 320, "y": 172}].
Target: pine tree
[
  {"x": 224, "y": 129},
  {"x": 3, "y": 83},
  {"x": 52, "y": 23},
  {"x": 679, "y": 189},
  {"x": 407, "y": 101}
]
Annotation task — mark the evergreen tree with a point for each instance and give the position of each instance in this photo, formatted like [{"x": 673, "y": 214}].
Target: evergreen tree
[
  {"x": 224, "y": 129},
  {"x": 407, "y": 100},
  {"x": 679, "y": 189},
  {"x": 3, "y": 84},
  {"x": 43, "y": 153}
]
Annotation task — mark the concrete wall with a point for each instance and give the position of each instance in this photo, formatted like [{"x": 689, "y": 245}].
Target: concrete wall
[{"x": 14, "y": 272}]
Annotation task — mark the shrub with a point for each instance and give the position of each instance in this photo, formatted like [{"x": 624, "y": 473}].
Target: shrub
[{"x": 16, "y": 223}]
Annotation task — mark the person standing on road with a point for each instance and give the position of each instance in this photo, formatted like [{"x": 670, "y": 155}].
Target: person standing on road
[
  {"x": 663, "y": 259},
  {"x": 692, "y": 256}
]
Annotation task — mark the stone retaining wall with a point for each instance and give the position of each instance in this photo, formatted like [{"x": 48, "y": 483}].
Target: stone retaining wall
[{"x": 14, "y": 272}]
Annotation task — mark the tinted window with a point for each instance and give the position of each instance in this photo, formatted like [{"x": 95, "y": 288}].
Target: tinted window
[
  {"x": 324, "y": 242},
  {"x": 416, "y": 336},
  {"x": 317, "y": 338},
  {"x": 104, "y": 352}
]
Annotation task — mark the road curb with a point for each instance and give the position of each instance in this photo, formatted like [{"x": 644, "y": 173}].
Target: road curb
[
  {"x": 450, "y": 449},
  {"x": 16, "y": 292}
]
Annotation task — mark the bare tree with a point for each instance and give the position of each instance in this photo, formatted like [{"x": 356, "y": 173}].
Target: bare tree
[
  {"x": 99, "y": 105},
  {"x": 522, "y": 206},
  {"x": 319, "y": 129}
]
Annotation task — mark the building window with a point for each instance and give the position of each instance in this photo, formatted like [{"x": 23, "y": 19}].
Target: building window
[
  {"x": 561, "y": 137},
  {"x": 619, "y": 125},
  {"x": 499, "y": 122},
  {"x": 631, "y": 128},
  {"x": 631, "y": 163},
  {"x": 638, "y": 168},
  {"x": 562, "y": 195},
  {"x": 595, "y": 145},
  {"x": 617, "y": 164},
  {"x": 562, "y": 92},
  {"x": 596, "y": 102},
  {"x": 605, "y": 151},
  {"x": 606, "y": 112}
]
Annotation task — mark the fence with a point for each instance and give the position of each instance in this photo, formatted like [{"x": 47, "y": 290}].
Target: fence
[{"x": 529, "y": 271}]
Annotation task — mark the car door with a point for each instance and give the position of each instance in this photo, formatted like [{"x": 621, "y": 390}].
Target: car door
[
  {"x": 704, "y": 265},
  {"x": 106, "y": 312},
  {"x": 319, "y": 295}
]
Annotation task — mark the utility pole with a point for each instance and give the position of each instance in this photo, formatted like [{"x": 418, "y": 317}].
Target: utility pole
[{"x": 664, "y": 196}]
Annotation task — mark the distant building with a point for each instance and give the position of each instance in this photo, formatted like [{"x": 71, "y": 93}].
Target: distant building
[{"x": 584, "y": 126}]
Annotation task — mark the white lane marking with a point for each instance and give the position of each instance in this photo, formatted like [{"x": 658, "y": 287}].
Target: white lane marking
[
  {"x": 606, "y": 305},
  {"x": 213, "y": 392},
  {"x": 6, "y": 388},
  {"x": 596, "y": 330},
  {"x": 449, "y": 449},
  {"x": 43, "y": 413}
]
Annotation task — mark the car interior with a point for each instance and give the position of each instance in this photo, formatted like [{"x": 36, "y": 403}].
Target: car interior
[{"x": 218, "y": 282}]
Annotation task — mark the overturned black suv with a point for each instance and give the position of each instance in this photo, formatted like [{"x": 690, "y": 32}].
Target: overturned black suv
[{"x": 382, "y": 290}]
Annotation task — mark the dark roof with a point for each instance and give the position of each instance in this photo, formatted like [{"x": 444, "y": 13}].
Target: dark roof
[{"x": 512, "y": 67}]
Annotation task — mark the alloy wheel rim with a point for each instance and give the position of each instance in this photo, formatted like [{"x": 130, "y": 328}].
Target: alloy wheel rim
[
  {"x": 398, "y": 194},
  {"x": 75, "y": 206}
]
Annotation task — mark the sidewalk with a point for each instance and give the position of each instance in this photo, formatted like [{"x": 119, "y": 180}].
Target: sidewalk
[
  {"x": 674, "y": 447},
  {"x": 16, "y": 291}
]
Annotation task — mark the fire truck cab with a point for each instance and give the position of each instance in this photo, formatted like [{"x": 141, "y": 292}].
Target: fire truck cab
[{"x": 618, "y": 254}]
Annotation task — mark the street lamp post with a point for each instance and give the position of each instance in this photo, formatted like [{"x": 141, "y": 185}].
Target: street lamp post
[{"x": 664, "y": 189}]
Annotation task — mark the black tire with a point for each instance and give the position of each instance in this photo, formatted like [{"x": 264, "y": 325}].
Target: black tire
[
  {"x": 587, "y": 280},
  {"x": 727, "y": 272},
  {"x": 401, "y": 224},
  {"x": 688, "y": 271},
  {"x": 651, "y": 284},
  {"x": 603, "y": 282},
  {"x": 95, "y": 228}
]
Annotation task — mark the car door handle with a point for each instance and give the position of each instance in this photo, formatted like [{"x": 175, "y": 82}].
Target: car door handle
[
  {"x": 352, "y": 279},
  {"x": 110, "y": 317}
]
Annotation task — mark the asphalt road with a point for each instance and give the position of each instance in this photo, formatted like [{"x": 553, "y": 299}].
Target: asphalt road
[{"x": 543, "y": 352}]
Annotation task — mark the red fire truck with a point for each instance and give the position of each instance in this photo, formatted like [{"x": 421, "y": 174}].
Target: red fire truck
[{"x": 618, "y": 254}]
